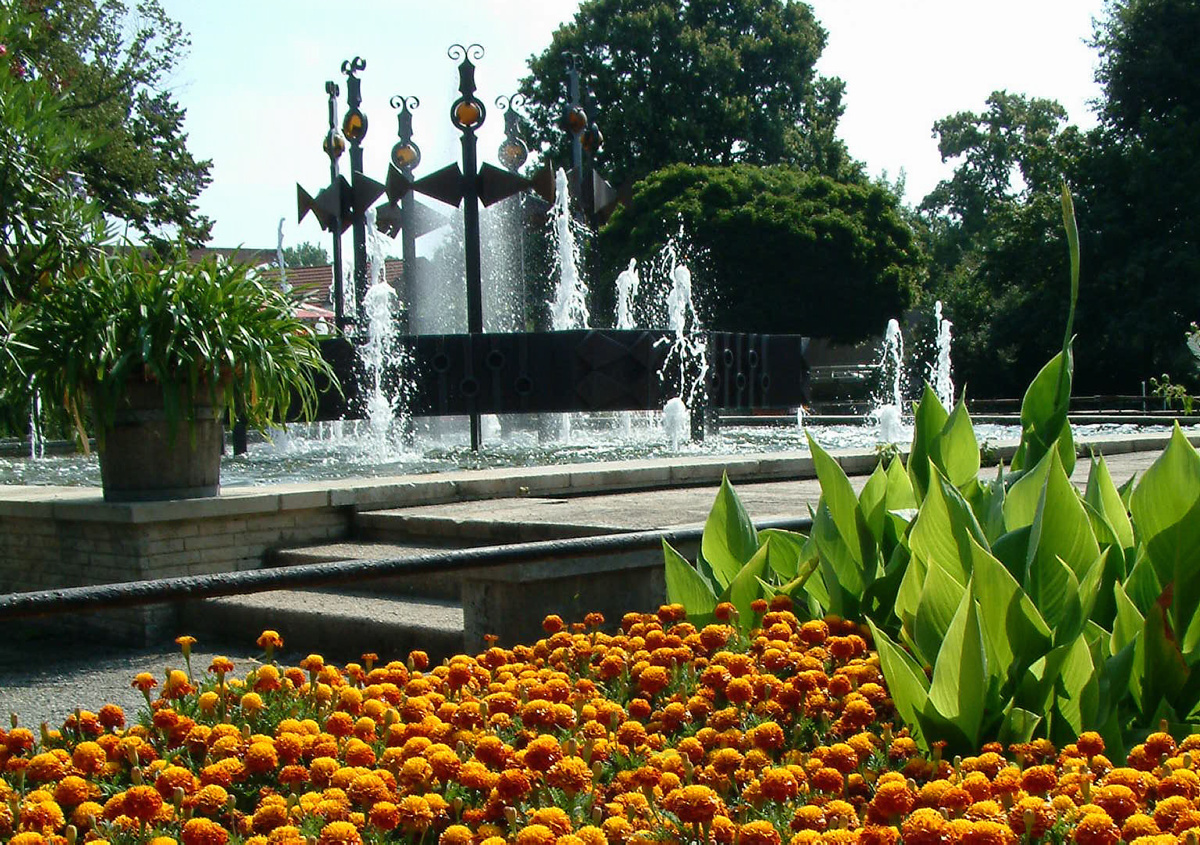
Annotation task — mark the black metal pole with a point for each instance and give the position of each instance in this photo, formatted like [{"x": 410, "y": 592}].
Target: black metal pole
[
  {"x": 576, "y": 137},
  {"x": 406, "y": 155},
  {"x": 467, "y": 114},
  {"x": 355, "y": 129},
  {"x": 332, "y": 142}
]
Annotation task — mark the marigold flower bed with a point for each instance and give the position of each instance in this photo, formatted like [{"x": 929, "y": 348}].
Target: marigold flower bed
[{"x": 658, "y": 733}]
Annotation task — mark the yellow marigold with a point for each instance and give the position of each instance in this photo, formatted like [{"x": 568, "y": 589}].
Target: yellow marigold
[
  {"x": 544, "y": 751},
  {"x": 892, "y": 799},
  {"x": 570, "y": 774},
  {"x": 203, "y": 832},
  {"x": 261, "y": 757},
  {"x": 43, "y": 815},
  {"x": 367, "y": 789},
  {"x": 760, "y": 832},
  {"x": 84, "y": 813},
  {"x": 163, "y": 840},
  {"x": 73, "y": 790},
  {"x": 1031, "y": 815},
  {"x": 286, "y": 835},
  {"x": 986, "y": 833},
  {"x": 1139, "y": 824},
  {"x": 591, "y": 835},
  {"x": 1168, "y": 810},
  {"x": 926, "y": 826},
  {"x": 416, "y": 816},
  {"x": 535, "y": 834},
  {"x": 554, "y": 818},
  {"x": 1096, "y": 829},
  {"x": 269, "y": 815},
  {"x": 339, "y": 833},
  {"x": 456, "y": 834},
  {"x": 809, "y": 817},
  {"x": 28, "y": 837},
  {"x": 89, "y": 758}
]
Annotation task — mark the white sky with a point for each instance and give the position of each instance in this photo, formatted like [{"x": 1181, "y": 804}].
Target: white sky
[{"x": 253, "y": 84}]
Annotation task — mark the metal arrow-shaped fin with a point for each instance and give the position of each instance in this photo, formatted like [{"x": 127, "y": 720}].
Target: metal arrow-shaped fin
[
  {"x": 445, "y": 185},
  {"x": 496, "y": 184}
]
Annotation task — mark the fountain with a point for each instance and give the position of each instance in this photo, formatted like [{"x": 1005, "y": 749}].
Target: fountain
[
  {"x": 939, "y": 371},
  {"x": 889, "y": 413}
]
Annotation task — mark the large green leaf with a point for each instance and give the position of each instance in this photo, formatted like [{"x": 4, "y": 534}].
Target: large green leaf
[
  {"x": 988, "y": 505},
  {"x": 1015, "y": 633},
  {"x": 729, "y": 538},
  {"x": 906, "y": 682},
  {"x": 685, "y": 585},
  {"x": 840, "y": 572},
  {"x": 872, "y": 502},
  {"x": 1143, "y": 585},
  {"x": 1055, "y": 592},
  {"x": 1023, "y": 497},
  {"x": 960, "y": 676},
  {"x": 787, "y": 550},
  {"x": 838, "y": 495},
  {"x": 955, "y": 450},
  {"x": 745, "y": 587},
  {"x": 900, "y": 495},
  {"x": 1078, "y": 691},
  {"x": 928, "y": 421},
  {"x": 940, "y": 597},
  {"x": 1044, "y": 411},
  {"x": 944, "y": 528},
  {"x": 908, "y": 595},
  {"x": 1102, "y": 494},
  {"x": 1061, "y": 528},
  {"x": 1166, "y": 671},
  {"x": 1166, "y": 511}
]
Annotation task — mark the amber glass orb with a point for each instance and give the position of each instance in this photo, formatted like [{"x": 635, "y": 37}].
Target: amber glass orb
[
  {"x": 575, "y": 120},
  {"x": 513, "y": 153},
  {"x": 406, "y": 155},
  {"x": 354, "y": 125},
  {"x": 334, "y": 144},
  {"x": 467, "y": 113}
]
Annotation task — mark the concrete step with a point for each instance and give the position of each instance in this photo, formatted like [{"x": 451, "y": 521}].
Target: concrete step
[
  {"x": 339, "y": 625},
  {"x": 522, "y": 520},
  {"x": 436, "y": 586}
]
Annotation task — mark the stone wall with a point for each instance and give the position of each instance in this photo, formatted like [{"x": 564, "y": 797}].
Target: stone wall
[{"x": 76, "y": 544}]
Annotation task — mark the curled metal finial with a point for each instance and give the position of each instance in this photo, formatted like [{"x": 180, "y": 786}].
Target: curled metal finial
[
  {"x": 332, "y": 89},
  {"x": 505, "y": 102},
  {"x": 458, "y": 52},
  {"x": 399, "y": 101},
  {"x": 353, "y": 66},
  {"x": 573, "y": 61}
]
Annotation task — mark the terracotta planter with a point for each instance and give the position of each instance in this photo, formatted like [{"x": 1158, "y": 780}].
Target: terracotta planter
[{"x": 142, "y": 461}]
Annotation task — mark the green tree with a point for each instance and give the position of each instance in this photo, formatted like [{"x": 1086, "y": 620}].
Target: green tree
[
  {"x": 996, "y": 255},
  {"x": 305, "y": 255},
  {"x": 786, "y": 250},
  {"x": 112, "y": 61},
  {"x": 693, "y": 81}
]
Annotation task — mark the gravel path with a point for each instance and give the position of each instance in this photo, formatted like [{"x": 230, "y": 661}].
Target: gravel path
[{"x": 47, "y": 679}]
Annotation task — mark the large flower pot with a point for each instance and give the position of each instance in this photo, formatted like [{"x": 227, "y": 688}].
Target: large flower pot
[{"x": 144, "y": 460}]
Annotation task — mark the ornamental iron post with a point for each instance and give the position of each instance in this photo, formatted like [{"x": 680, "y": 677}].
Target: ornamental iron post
[
  {"x": 354, "y": 127},
  {"x": 512, "y": 154},
  {"x": 330, "y": 206},
  {"x": 406, "y": 155},
  {"x": 467, "y": 186}
]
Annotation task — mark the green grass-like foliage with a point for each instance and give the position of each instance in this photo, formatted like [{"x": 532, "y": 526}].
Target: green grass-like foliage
[
  {"x": 1001, "y": 609},
  {"x": 208, "y": 330}
]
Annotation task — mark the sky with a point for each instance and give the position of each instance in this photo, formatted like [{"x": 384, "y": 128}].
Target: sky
[{"x": 253, "y": 83}]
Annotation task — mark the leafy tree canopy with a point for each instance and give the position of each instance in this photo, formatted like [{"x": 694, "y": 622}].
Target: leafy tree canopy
[
  {"x": 997, "y": 255},
  {"x": 111, "y": 62},
  {"x": 693, "y": 81},
  {"x": 306, "y": 254},
  {"x": 786, "y": 250}
]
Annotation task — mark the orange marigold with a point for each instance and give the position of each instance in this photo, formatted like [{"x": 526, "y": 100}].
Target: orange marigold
[
  {"x": 203, "y": 832},
  {"x": 339, "y": 833},
  {"x": 535, "y": 834},
  {"x": 1096, "y": 829},
  {"x": 759, "y": 832},
  {"x": 926, "y": 826},
  {"x": 694, "y": 804},
  {"x": 987, "y": 833}
]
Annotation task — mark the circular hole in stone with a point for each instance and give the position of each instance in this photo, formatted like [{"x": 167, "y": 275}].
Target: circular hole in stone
[
  {"x": 765, "y": 381},
  {"x": 495, "y": 359},
  {"x": 741, "y": 381},
  {"x": 728, "y": 357},
  {"x": 752, "y": 357},
  {"x": 469, "y": 387},
  {"x": 441, "y": 362},
  {"x": 523, "y": 386}
]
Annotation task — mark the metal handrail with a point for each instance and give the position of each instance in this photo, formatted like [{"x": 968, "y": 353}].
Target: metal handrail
[{"x": 133, "y": 593}]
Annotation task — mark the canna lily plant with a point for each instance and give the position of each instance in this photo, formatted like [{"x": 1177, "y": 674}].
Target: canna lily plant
[{"x": 1001, "y": 609}]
